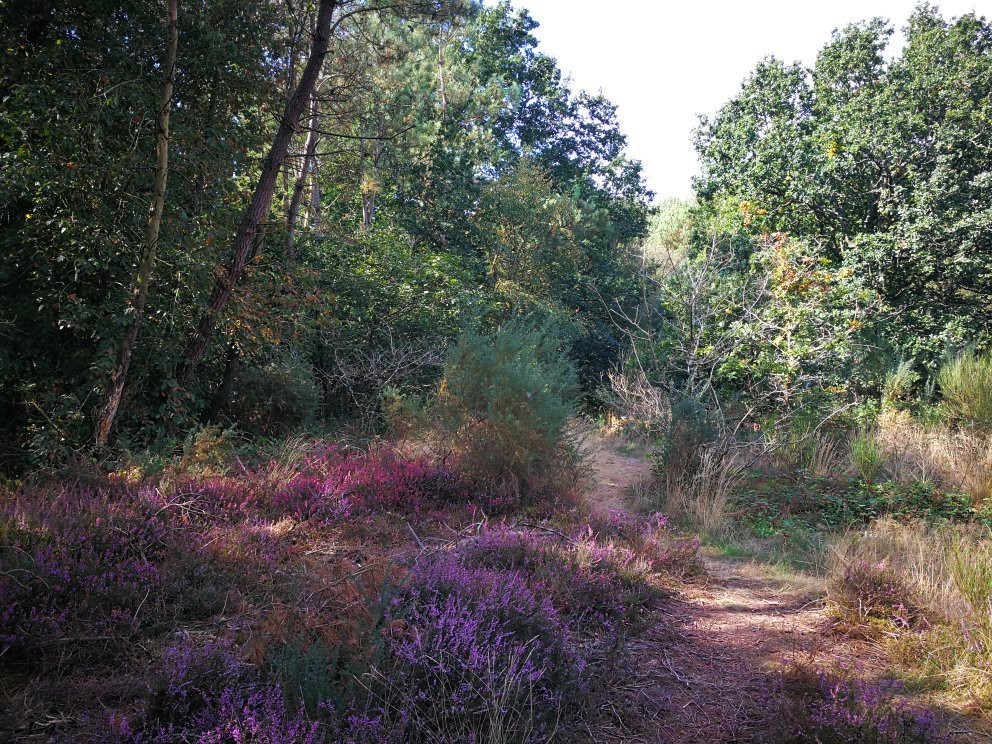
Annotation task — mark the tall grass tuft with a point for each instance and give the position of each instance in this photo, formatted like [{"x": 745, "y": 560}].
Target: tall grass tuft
[
  {"x": 955, "y": 459},
  {"x": 966, "y": 386},
  {"x": 701, "y": 497},
  {"x": 866, "y": 455}
]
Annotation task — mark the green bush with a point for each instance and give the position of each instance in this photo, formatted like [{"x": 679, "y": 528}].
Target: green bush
[
  {"x": 901, "y": 382},
  {"x": 689, "y": 430},
  {"x": 504, "y": 407},
  {"x": 866, "y": 455},
  {"x": 274, "y": 399},
  {"x": 966, "y": 386}
]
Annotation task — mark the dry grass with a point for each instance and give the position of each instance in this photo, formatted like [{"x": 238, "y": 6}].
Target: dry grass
[
  {"x": 948, "y": 571},
  {"x": 702, "y": 496},
  {"x": 935, "y": 561},
  {"x": 827, "y": 457},
  {"x": 957, "y": 459}
]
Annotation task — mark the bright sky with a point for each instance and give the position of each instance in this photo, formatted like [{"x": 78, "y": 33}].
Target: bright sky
[{"x": 663, "y": 62}]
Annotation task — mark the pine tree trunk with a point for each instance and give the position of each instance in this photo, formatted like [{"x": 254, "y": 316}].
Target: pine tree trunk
[
  {"x": 315, "y": 205},
  {"x": 261, "y": 201},
  {"x": 370, "y": 196},
  {"x": 139, "y": 292},
  {"x": 293, "y": 217}
]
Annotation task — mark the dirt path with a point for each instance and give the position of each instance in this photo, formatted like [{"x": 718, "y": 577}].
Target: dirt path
[
  {"x": 713, "y": 660},
  {"x": 707, "y": 671},
  {"x": 613, "y": 473}
]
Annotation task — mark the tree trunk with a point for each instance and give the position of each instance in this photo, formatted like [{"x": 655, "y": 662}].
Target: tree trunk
[
  {"x": 139, "y": 292},
  {"x": 371, "y": 193},
  {"x": 441, "y": 42},
  {"x": 315, "y": 206},
  {"x": 261, "y": 201},
  {"x": 368, "y": 210},
  {"x": 293, "y": 216}
]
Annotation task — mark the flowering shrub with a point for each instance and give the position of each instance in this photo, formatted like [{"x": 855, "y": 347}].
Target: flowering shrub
[
  {"x": 593, "y": 585},
  {"x": 190, "y": 675},
  {"x": 648, "y": 536},
  {"x": 874, "y": 590},
  {"x": 476, "y": 653},
  {"x": 208, "y": 695},
  {"x": 99, "y": 563},
  {"x": 83, "y": 566},
  {"x": 488, "y": 641},
  {"x": 331, "y": 484},
  {"x": 626, "y": 525},
  {"x": 863, "y": 712}
]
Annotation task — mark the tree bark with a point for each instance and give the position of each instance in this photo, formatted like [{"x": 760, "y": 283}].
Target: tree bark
[
  {"x": 315, "y": 205},
  {"x": 139, "y": 292},
  {"x": 293, "y": 216},
  {"x": 261, "y": 201}
]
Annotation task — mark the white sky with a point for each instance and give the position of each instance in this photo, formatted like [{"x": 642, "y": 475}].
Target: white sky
[{"x": 665, "y": 62}]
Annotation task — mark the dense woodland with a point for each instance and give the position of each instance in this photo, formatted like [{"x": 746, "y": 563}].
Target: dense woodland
[
  {"x": 438, "y": 173},
  {"x": 309, "y": 310}
]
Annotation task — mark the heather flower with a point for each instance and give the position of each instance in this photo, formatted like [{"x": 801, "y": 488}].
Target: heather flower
[
  {"x": 874, "y": 590},
  {"x": 192, "y": 674},
  {"x": 78, "y": 562},
  {"x": 256, "y": 714},
  {"x": 593, "y": 586},
  {"x": 867, "y": 712},
  {"x": 475, "y": 650},
  {"x": 208, "y": 695},
  {"x": 330, "y": 485},
  {"x": 625, "y": 525}
]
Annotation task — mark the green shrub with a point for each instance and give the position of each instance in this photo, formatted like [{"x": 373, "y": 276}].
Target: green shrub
[
  {"x": 898, "y": 391},
  {"x": 504, "y": 406},
  {"x": 274, "y": 399},
  {"x": 309, "y": 671},
  {"x": 966, "y": 386},
  {"x": 207, "y": 451},
  {"x": 866, "y": 455},
  {"x": 678, "y": 454}
]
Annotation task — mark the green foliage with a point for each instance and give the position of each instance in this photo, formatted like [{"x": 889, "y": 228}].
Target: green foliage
[
  {"x": 768, "y": 339},
  {"x": 680, "y": 445},
  {"x": 504, "y": 406},
  {"x": 900, "y": 387},
  {"x": 966, "y": 389},
  {"x": 883, "y": 163},
  {"x": 209, "y": 451},
  {"x": 274, "y": 399},
  {"x": 469, "y": 183},
  {"x": 867, "y": 455},
  {"x": 669, "y": 234},
  {"x": 77, "y": 136},
  {"x": 310, "y": 672},
  {"x": 785, "y": 507},
  {"x": 803, "y": 335}
]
